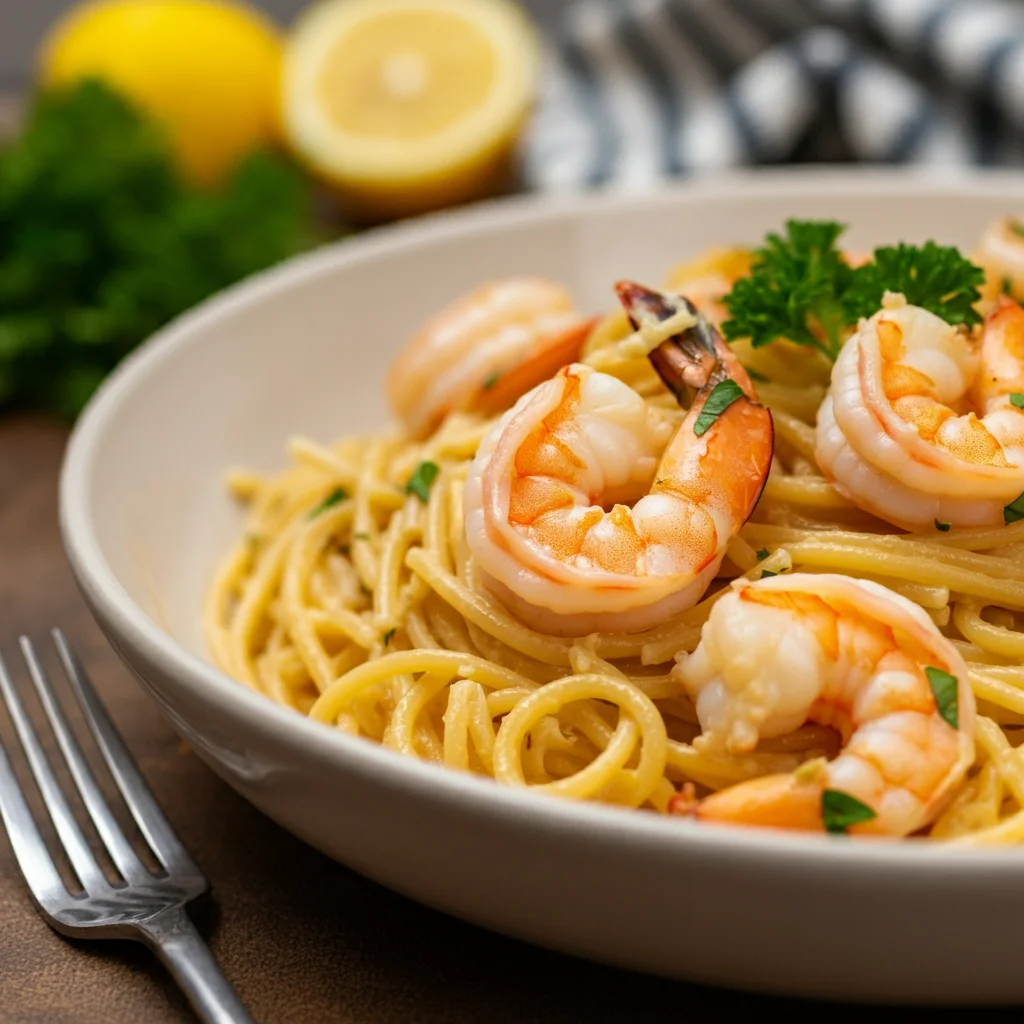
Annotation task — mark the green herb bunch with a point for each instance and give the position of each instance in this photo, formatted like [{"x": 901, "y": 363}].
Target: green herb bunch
[
  {"x": 800, "y": 287},
  {"x": 101, "y": 242}
]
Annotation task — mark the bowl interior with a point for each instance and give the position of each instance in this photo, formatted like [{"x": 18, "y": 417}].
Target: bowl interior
[{"x": 304, "y": 349}]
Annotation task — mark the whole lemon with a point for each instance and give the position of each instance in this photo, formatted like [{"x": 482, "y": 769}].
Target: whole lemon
[{"x": 208, "y": 69}]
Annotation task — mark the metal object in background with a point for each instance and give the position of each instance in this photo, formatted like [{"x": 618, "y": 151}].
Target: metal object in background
[{"x": 145, "y": 906}]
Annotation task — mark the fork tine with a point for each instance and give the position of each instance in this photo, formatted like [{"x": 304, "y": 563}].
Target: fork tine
[
  {"x": 110, "y": 832},
  {"x": 147, "y": 814},
  {"x": 75, "y": 845},
  {"x": 29, "y": 849}
]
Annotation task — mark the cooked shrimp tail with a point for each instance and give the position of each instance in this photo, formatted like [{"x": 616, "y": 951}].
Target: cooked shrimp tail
[
  {"x": 687, "y": 358},
  {"x": 697, "y": 356},
  {"x": 698, "y": 359}
]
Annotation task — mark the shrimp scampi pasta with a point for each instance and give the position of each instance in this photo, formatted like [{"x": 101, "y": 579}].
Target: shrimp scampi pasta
[{"x": 745, "y": 549}]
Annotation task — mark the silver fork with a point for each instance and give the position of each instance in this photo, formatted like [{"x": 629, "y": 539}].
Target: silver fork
[{"x": 145, "y": 907}]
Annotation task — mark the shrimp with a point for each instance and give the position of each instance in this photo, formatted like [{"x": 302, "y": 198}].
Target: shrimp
[
  {"x": 1000, "y": 253},
  {"x": 484, "y": 350},
  {"x": 844, "y": 653},
  {"x": 920, "y": 426},
  {"x": 537, "y": 492}
]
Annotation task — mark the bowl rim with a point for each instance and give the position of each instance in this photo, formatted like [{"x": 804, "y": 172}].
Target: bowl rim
[{"x": 110, "y": 602}]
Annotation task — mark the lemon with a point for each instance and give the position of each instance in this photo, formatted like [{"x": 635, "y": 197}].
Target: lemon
[
  {"x": 409, "y": 105},
  {"x": 209, "y": 70}
]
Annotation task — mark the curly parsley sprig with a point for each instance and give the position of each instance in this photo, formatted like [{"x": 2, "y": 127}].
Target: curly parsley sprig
[
  {"x": 794, "y": 289},
  {"x": 802, "y": 289},
  {"x": 102, "y": 241},
  {"x": 935, "y": 277}
]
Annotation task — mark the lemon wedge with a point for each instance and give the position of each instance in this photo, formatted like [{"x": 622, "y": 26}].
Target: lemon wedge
[
  {"x": 208, "y": 70},
  {"x": 409, "y": 105}
]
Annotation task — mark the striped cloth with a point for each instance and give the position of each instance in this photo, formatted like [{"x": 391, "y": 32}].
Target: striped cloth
[{"x": 640, "y": 90}]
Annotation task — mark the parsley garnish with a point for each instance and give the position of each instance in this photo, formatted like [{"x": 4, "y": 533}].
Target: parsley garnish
[
  {"x": 762, "y": 554},
  {"x": 1007, "y": 286},
  {"x": 422, "y": 480},
  {"x": 1017, "y": 400},
  {"x": 389, "y": 634},
  {"x": 1015, "y": 510},
  {"x": 1015, "y": 226},
  {"x": 839, "y": 811},
  {"x": 766, "y": 573},
  {"x": 793, "y": 290},
  {"x": 490, "y": 380},
  {"x": 724, "y": 393},
  {"x": 336, "y": 497},
  {"x": 102, "y": 240},
  {"x": 946, "y": 690},
  {"x": 942, "y": 527},
  {"x": 934, "y": 277},
  {"x": 800, "y": 288}
]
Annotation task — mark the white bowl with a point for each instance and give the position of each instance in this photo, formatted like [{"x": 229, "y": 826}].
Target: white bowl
[{"x": 304, "y": 349}]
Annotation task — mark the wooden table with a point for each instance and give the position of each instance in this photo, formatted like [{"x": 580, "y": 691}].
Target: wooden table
[{"x": 303, "y": 939}]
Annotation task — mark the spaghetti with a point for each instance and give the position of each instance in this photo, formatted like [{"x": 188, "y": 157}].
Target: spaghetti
[{"x": 352, "y": 599}]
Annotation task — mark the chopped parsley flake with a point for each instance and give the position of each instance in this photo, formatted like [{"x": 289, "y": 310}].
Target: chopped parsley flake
[
  {"x": 839, "y": 811},
  {"x": 336, "y": 497},
  {"x": 1017, "y": 400},
  {"x": 942, "y": 527},
  {"x": 388, "y": 635},
  {"x": 946, "y": 690},
  {"x": 422, "y": 480},
  {"x": 766, "y": 573},
  {"x": 725, "y": 392},
  {"x": 1014, "y": 511},
  {"x": 762, "y": 554},
  {"x": 490, "y": 380}
]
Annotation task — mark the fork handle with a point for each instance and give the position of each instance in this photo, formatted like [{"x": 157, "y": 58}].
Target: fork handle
[{"x": 174, "y": 939}]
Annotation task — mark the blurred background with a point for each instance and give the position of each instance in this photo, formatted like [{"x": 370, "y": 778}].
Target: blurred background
[
  {"x": 25, "y": 22},
  {"x": 153, "y": 152}
]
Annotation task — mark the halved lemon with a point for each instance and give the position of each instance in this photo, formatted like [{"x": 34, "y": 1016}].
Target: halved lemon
[{"x": 409, "y": 105}]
